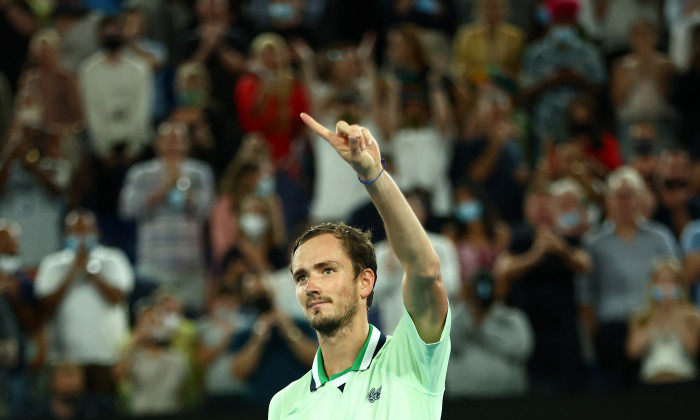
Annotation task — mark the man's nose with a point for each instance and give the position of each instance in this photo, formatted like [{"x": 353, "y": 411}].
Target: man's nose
[{"x": 312, "y": 285}]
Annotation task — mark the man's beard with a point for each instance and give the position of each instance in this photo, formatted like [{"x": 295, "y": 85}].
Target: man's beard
[{"x": 330, "y": 325}]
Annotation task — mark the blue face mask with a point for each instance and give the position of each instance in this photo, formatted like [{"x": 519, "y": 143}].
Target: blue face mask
[
  {"x": 542, "y": 16},
  {"x": 280, "y": 11},
  {"x": 266, "y": 187},
  {"x": 469, "y": 211},
  {"x": 569, "y": 220},
  {"x": 563, "y": 34},
  {"x": 177, "y": 198},
  {"x": 73, "y": 242},
  {"x": 660, "y": 295}
]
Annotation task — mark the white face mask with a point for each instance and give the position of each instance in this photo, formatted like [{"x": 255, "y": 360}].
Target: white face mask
[
  {"x": 171, "y": 321},
  {"x": 253, "y": 225},
  {"x": 10, "y": 264}
]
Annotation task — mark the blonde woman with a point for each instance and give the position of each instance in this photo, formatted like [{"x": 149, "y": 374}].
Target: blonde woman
[
  {"x": 270, "y": 98},
  {"x": 665, "y": 336}
]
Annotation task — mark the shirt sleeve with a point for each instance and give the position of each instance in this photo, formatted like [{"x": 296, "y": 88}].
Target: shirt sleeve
[
  {"x": 117, "y": 270},
  {"x": 203, "y": 193},
  {"x": 420, "y": 364},
  {"x": 132, "y": 200},
  {"x": 48, "y": 277}
]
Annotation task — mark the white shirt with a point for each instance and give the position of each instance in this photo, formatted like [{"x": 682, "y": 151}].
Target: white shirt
[
  {"x": 388, "y": 297},
  {"x": 337, "y": 192},
  {"x": 117, "y": 102},
  {"x": 421, "y": 158},
  {"x": 86, "y": 328}
]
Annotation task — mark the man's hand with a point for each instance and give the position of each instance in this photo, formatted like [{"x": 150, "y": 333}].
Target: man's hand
[
  {"x": 81, "y": 258},
  {"x": 354, "y": 144}
]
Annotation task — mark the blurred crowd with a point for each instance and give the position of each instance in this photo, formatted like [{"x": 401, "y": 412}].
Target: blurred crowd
[{"x": 153, "y": 171}]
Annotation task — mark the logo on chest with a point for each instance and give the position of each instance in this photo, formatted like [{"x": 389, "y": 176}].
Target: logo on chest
[{"x": 374, "y": 394}]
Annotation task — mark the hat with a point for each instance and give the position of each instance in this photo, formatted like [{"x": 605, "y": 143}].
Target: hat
[{"x": 563, "y": 10}]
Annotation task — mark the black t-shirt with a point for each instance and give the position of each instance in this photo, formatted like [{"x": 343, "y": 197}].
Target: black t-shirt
[
  {"x": 546, "y": 292},
  {"x": 14, "y": 47}
]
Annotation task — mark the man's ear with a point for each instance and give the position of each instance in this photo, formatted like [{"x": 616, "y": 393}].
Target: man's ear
[{"x": 366, "y": 282}]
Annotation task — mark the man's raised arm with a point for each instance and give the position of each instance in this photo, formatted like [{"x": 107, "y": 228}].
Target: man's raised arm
[{"x": 423, "y": 292}]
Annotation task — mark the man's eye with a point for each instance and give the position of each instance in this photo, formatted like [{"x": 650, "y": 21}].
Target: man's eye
[
  {"x": 300, "y": 279},
  {"x": 328, "y": 271}
]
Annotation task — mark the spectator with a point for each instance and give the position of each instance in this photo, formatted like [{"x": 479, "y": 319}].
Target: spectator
[
  {"x": 676, "y": 204},
  {"x": 335, "y": 197},
  {"x": 437, "y": 15},
  {"x": 212, "y": 131},
  {"x": 270, "y": 98},
  {"x": 67, "y": 398},
  {"x": 489, "y": 155},
  {"x": 82, "y": 290},
  {"x": 541, "y": 264},
  {"x": 490, "y": 343},
  {"x": 289, "y": 18},
  {"x": 684, "y": 93},
  {"x": 622, "y": 253},
  {"x": 640, "y": 84},
  {"x": 18, "y": 23},
  {"x": 645, "y": 148},
  {"x": 48, "y": 98},
  {"x": 78, "y": 28},
  {"x": 665, "y": 335},
  {"x": 387, "y": 293},
  {"x": 170, "y": 197},
  {"x": 155, "y": 371},
  {"x": 682, "y": 16},
  {"x": 215, "y": 332},
  {"x": 609, "y": 23},
  {"x": 556, "y": 69},
  {"x": 690, "y": 241},
  {"x": 138, "y": 45},
  {"x": 601, "y": 149},
  {"x": 117, "y": 91},
  {"x": 478, "y": 234},
  {"x": 11, "y": 360},
  {"x": 274, "y": 350},
  {"x": 487, "y": 45},
  {"x": 573, "y": 219},
  {"x": 220, "y": 43},
  {"x": 32, "y": 185}
]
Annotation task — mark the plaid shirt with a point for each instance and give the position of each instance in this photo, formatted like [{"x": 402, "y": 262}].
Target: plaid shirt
[
  {"x": 544, "y": 58},
  {"x": 170, "y": 236}
]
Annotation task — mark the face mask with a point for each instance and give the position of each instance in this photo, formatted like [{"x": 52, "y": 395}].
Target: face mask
[
  {"x": 266, "y": 187},
  {"x": 177, "y": 198},
  {"x": 191, "y": 98},
  {"x": 569, "y": 220},
  {"x": 253, "y": 225},
  {"x": 172, "y": 320},
  {"x": 469, "y": 211},
  {"x": 161, "y": 335},
  {"x": 226, "y": 315},
  {"x": 644, "y": 146},
  {"x": 563, "y": 34},
  {"x": 484, "y": 289},
  {"x": 73, "y": 242},
  {"x": 659, "y": 294},
  {"x": 112, "y": 43},
  {"x": 542, "y": 16},
  {"x": 280, "y": 11},
  {"x": 10, "y": 264}
]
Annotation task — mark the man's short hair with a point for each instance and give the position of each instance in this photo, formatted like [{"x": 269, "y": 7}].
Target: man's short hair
[{"x": 356, "y": 243}]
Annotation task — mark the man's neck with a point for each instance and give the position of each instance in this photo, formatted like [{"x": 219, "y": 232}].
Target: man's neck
[
  {"x": 340, "y": 350},
  {"x": 626, "y": 230}
]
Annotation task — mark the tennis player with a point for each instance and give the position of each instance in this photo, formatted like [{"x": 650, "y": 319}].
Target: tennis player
[{"x": 358, "y": 373}]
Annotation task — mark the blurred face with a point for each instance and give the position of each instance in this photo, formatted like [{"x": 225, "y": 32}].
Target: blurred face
[
  {"x": 399, "y": 49},
  {"x": 212, "y": 10},
  {"x": 493, "y": 11},
  {"x": 81, "y": 226},
  {"x": 172, "y": 141},
  {"x": 673, "y": 180},
  {"x": 539, "y": 211},
  {"x": 643, "y": 37},
  {"x": 253, "y": 220},
  {"x": 45, "y": 53},
  {"x": 134, "y": 24},
  {"x": 624, "y": 204},
  {"x": 326, "y": 284},
  {"x": 345, "y": 65},
  {"x": 570, "y": 213},
  {"x": 665, "y": 286}
]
